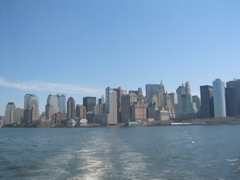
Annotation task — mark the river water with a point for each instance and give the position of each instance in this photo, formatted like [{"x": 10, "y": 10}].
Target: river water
[{"x": 162, "y": 152}]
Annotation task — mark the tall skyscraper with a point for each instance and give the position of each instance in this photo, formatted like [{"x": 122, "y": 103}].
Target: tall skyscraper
[
  {"x": 185, "y": 108},
  {"x": 160, "y": 95},
  {"x": 52, "y": 106},
  {"x": 127, "y": 101},
  {"x": 111, "y": 105},
  {"x": 71, "y": 112},
  {"x": 207, "y": 108},
  {"x": 231, "y": 103},
  {"x": 119, "y": 92},
  {"x": 235, "y": 84},
  {"x": 62, "y": 103},
  {"x": 151, "y": 90},
  {"x": 89, "y": 103},
  {"x": 219, "y": 98},
  {"x": 9, "y": 107},
  {"x": 30, "y": 100}
]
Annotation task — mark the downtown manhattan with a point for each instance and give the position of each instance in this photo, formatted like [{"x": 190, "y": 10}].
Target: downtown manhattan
[{"x": 118, "y": 107}]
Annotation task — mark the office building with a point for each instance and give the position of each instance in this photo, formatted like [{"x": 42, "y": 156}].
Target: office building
[
  {"x": 207, "y": 107},
  {"x": 31, "y": 100},
  {"x": 89, "y": 103},
  {"x": 111, "y": 105},
  {"x": 51, "y": 106},
  {"x": 16, "y": 115},
  {"x": 9, "y": 107},
  {"x": 62, "y": 103},
  {"x": 151, "y": 90},
  {"x": 235, "y": 84},
  {"x": 219, "y": 98},
  {"x": 185, "y": 105},
  {"x": 71, "y": 111},
  {"x": 127, "y": 100},
  {"x": 231, "y": 103},
  {"x": 81, "y": 111}
]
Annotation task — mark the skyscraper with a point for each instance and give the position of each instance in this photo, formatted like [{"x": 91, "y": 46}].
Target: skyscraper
[
  {"x": 89, "y": 103},
  {"x": 9, "y": 107},
  {"x": 71, "y": 112},
  {"x": 62, "y": 103},
  {"x": 30, "y": 100},
  {"x": 111, "y": 105},
  {"x": 235, "y": 84},
  {"x": 52, "y": 105},
  {"x": 186, "y": 108},
  {"x": 127, "y": 101},
  {"x": 151, "y": 90},
  {"x": 119, "y": 92},
  {"x": 231, "y": 104},
  {"x": 207, "y": 108},
  {"x": 219, "y": 98}
]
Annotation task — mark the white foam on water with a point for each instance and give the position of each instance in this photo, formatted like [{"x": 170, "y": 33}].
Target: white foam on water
[{"x": 232, "y": 160}]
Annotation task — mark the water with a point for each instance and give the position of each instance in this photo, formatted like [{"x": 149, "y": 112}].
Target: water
[{"x": 179, "y": 152}]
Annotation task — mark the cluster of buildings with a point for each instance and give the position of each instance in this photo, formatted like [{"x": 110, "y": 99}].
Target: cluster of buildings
[{"x": 119, "y": 106}]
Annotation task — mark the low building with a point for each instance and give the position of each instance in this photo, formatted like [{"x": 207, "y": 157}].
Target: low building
[
  {"x": 71, "y": 123},
  {"x": 83, "y": 122}
]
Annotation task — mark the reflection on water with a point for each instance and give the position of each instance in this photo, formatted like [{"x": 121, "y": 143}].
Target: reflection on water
[{"x": 191, "y": 152}]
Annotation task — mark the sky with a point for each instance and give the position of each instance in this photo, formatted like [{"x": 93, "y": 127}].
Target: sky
[{"x": 78, "y": 48}]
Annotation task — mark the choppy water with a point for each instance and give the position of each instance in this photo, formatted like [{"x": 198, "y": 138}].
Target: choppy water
[{"x": 179, "y": 152}]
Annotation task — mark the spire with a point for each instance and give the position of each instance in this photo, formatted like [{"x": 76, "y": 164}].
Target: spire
[{"x": 161, "y": 84}]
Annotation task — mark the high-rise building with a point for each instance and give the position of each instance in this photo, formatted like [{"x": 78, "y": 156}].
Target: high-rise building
[
  {"x": 235, "y": 84},
  {"x": 127, "y": 101},
  {"x": 16, "y": 115},
  {"x": 111, "y": 105},
  {"x": 9, "y": 107},
  {"x": 89, "y": 103},
  {"x": 119, "y": 92},
  {"x": 62, "y": 103},
  {"x": 30, "y": 100},
  {"x": 71, "y": 111},
  {"x": 207, "y": 108},
  {"x": 151, "y": 90},
  {"x": 81, "y": 111},
  {"x": 52, "y": 105},
  {"x": 30, "y": 115},
  {"x": 197, "y": 101},
  {"x": 231, "y": 104},
  {"x": 160, "y": 95},
  {"x": 219, "y": 98},
  {"x": 185, "y": 108}
]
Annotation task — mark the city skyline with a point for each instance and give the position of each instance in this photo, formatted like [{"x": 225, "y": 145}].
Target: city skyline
[{"x": 79, "y": 48}]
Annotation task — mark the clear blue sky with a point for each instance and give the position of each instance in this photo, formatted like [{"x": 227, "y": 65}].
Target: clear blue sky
[{"x": 81, "y": 47}]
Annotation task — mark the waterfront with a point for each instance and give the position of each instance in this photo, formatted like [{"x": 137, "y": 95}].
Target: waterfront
[{"x": 179, "y": 152}]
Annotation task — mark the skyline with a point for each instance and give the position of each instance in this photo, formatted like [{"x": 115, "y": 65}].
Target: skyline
[{"x": 79, "y": 48}]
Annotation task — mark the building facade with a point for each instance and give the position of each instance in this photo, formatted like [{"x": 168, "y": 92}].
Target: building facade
[
  {"x": 9, "y": 107},
  {"x": 207, "y": 107},
  {"x": 235, "y": 84},
  {"x": 71, "y": 111},
  {"x": 219, "y": 99},
  {"x": 52, "y": 106},
  {"x": 89, "y": 103}
]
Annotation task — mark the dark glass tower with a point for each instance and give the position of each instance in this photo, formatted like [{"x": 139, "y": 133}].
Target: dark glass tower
[{"x": 207, "y": 108}]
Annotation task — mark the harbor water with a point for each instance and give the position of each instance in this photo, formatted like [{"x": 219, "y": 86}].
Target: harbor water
[{"x": 159, "y": 152}]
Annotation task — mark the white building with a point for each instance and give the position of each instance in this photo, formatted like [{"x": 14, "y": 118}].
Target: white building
[
  {"x": 111, "y": 105},
  {"x": 52, "y": 105},
  {"x": 9, "y": 106},
  {"x": 219, "y": 98}
]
